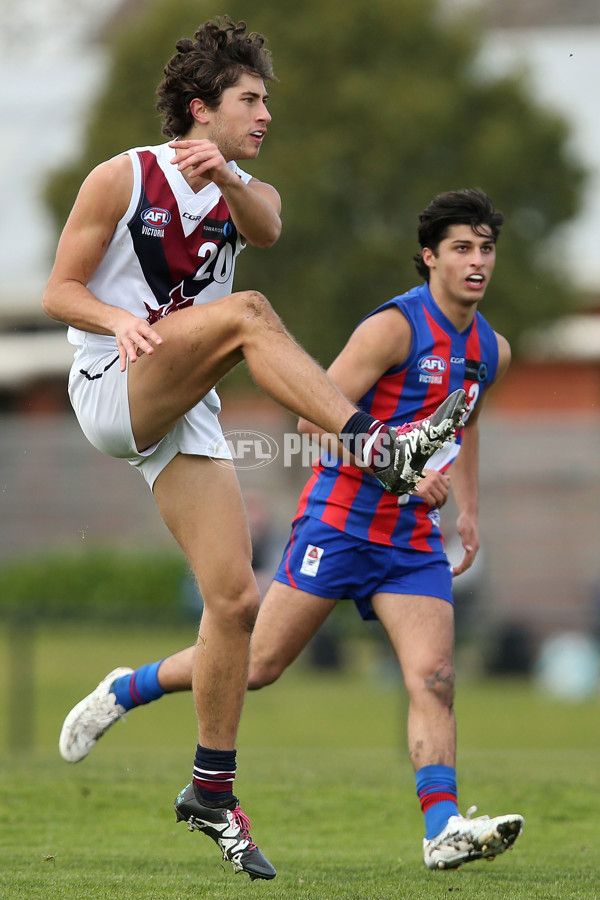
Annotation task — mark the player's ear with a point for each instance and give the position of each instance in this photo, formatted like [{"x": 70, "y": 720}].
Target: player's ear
[
  {"x": 429, "y": 257},
  {"x": 199, "y": 111}
]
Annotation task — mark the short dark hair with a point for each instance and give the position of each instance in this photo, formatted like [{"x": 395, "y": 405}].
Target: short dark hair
[
  {"x": 466, "y": 207},
  {"x": 206, "y": 66}
]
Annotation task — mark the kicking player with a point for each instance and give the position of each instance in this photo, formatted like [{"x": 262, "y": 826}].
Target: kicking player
[{"x": 143, "y": 278}]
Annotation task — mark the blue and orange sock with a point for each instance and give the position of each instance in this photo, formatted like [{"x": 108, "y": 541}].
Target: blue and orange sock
[
  {"x": 214, "y": 772},
  {"x": 139, "y": 687},
  {"x": 436, "y": 789}
]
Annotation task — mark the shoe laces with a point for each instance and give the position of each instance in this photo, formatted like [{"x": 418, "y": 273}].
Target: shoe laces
[
  {"x": 242, "y": 821},
  {"x": 408, "y": 426},
  {"x": 470, "y": 814},
  {"x": 100, "y": 710}
]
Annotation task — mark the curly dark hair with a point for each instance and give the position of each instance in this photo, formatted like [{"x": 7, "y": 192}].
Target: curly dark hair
[
  {"x": 466, "y": 207},
  {"x": 205, "y": 66}
]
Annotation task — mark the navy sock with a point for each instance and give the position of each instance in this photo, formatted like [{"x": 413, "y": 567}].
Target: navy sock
[
  {"x": 214, "y": 771},
  {"x": 366, "y": 438},
  {"x": 436, "y": 789},
  {"x": 138, "y": 688}
]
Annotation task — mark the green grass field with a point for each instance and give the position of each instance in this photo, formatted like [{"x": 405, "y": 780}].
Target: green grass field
[{"x": 323, "y": 773}]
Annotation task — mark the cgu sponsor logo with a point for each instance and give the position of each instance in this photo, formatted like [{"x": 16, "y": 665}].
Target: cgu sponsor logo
[
  {"x": 432, "y": 365},
  {"x": 155, "y": 217}
]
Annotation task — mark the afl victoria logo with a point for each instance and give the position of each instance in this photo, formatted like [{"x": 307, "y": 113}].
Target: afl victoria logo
[
  {"x": 432, "y": 365},
  {"x": 156, "y": 217}
]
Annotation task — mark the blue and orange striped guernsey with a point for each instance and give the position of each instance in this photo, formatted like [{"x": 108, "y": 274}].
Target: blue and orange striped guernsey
[{"x": 441, "y": 360}]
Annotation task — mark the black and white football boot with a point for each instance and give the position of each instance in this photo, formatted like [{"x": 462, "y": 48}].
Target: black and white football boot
[
  {"x": 413, "y": 445},
  {"x": 229, "y": 827}
]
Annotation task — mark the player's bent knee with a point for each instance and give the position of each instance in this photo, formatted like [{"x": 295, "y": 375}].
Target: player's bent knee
[
  {"x": 263, "y": 673},
  {"x": 253, "y": 308},
  {"x": 254, "y": 301},
  {"x": 246, "y": 616},
  {"x": 237, "y": 611}
]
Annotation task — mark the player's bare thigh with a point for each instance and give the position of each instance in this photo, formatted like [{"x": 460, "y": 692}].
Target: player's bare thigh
[
  {"x": 287, "y": 620},
  {"x": 421, "y": 631},
  {"x": 201, "y": 344}
]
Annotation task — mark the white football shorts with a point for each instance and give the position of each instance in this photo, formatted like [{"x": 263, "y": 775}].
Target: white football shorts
[{"x": 98, "y": 394}]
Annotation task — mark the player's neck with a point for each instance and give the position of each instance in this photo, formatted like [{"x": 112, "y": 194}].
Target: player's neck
[
  {"x": 196, "y": 184},
  {"x": 458, "y": 311}
]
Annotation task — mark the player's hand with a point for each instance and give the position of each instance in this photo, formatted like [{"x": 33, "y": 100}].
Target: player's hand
[
  {"x": 434, "y": 488},
  {"x": 134, "y": 337},
  {"x": 201, "y": 158},
  {"x": 468, "y": 531}
]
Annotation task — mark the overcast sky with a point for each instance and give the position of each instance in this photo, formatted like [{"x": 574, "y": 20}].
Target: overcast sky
[
  {"x": 564, "y": 73},
  {"x": 49, "y": 67}
]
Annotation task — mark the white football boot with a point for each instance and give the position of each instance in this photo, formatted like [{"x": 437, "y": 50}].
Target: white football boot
[
  {"x": 91, "y": 718},
  {"x": 465, "y": 839}
]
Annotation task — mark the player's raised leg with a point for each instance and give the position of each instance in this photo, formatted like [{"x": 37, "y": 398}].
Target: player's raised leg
[{"x": 165, "y": 386}]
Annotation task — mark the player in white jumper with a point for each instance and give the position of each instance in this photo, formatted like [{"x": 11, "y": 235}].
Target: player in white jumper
[
  {"x": 143, "y": 277},
  {"x": 173, "y": 248}
]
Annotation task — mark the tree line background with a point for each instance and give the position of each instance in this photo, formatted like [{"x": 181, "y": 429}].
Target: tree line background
[{"x": 378, "y": 107}]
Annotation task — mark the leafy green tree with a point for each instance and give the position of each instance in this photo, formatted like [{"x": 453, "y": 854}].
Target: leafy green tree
[{"x": 378, "y": 107}]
